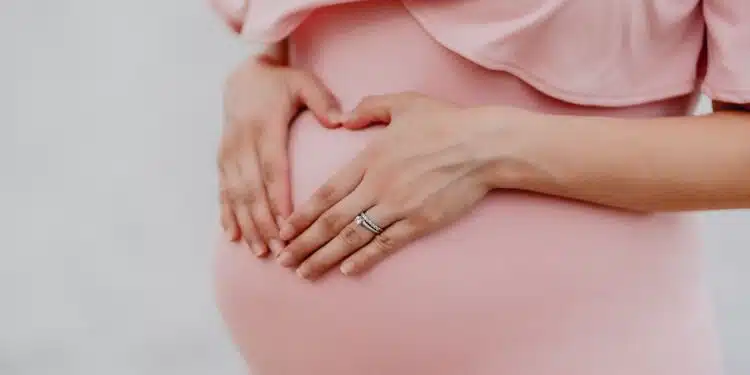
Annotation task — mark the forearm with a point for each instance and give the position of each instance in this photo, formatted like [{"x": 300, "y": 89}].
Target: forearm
[{"x": 664, "y": 164}]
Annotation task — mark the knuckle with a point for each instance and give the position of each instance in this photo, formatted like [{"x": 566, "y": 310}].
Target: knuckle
[
  {"x": 350, "y": 236},
  {"x": 272, "y": 171},
  {"x": 245, "y": 196},
  {"x": 394, "y": 201},
  {"x": 228, "y": 194},
  {"x": 256, "y": 129},
  {"x": 329, "y": 224},
  {"x": 414, "y": 208},
  {"x": 399, "y": 204},
  {"x": 419, "y": 221},
  {"x": 426, "y": 218},
  {"x": 385, "y": 244},
  {"x": 238, "y": 193},
  {"x": 224, "y": 196},
  {"x": 326, "y": 195}
]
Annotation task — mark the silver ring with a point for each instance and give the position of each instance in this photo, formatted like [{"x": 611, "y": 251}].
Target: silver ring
[{"x": 368, "y": 223}]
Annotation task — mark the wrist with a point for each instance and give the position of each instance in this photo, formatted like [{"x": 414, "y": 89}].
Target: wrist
[{"x": 507, "y": 149}]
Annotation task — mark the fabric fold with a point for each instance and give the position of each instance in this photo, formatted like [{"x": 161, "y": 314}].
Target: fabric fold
[{"x": 603, "y": 53}]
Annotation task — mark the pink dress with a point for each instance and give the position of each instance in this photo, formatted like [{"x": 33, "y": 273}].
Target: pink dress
[{"x": 525, "y": 284}]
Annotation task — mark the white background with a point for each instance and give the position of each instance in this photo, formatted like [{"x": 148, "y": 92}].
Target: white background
[{"x": 109, "y": 118}]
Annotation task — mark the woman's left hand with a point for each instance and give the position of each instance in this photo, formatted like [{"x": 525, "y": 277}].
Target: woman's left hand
[{"x": 423, "y": 171}]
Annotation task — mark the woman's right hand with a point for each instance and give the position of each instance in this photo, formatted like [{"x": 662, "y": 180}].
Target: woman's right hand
[{"x": 261, "y": 99}]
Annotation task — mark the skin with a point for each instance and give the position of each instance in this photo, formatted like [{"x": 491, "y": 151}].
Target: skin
[
  {"x": 435, "y": 161},
  {"x": 261, "y": 99},
  {"x": 417, "y": 176}
]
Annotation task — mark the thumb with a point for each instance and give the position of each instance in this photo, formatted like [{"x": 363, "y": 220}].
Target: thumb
[
  {"x": 319, "y": 100},
  {"x": 371, "y": 110}
]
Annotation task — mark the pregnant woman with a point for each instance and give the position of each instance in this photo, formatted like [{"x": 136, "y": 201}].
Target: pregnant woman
[{"x": 479, "y": 187}]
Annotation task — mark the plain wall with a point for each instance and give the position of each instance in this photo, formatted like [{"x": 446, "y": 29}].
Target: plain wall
[{"x": 109, "y": 119}]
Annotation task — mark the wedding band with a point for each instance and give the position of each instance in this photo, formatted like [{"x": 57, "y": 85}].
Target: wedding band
[{"x": 368, "y": 223}]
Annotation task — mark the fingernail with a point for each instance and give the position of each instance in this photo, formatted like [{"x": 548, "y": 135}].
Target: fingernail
[
  {"x": 279, "y": 220},
  {"x": 234, "y": 235},
  {"x": 334, "y": 116},
  {"x": 276, "y": 246},
  {"x": 259, "y": 250},
  {"x": 347, "y": 268},
  {"x": 303, "y": 272},
  {"x": 285, "y": 259}
]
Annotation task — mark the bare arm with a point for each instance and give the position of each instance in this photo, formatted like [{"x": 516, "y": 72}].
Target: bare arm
[{"x": 664, "y": 164}]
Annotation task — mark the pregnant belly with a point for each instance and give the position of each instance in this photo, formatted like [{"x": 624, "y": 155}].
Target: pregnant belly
[{"x": 523, "y": 285}]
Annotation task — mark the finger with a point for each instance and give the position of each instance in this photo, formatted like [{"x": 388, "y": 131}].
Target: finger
[
  {"x": 319, "y": 100},
  {"x": 326, "y": 227},
  {"x": 371, "y": 110},
  {"x": 274, "y": 164},
  {"x": 257, "y": 202},
  {"x": 249, "y": 231},
  {"x": 352, "y": 238},
  {"x": 382, "y": 246},
  {"x": 333, "y": 191},
  {"x": 377, "y": 109},
  {"x": 228, "y": 222},
  {"x": 275, "y": 170},
  {"x": 241, "y": 199}
]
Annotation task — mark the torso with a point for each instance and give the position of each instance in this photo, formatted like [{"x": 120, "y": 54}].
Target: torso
[{"x": 524, "y": 285}]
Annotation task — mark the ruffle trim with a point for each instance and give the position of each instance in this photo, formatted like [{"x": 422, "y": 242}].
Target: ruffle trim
[{"x": 274, "y": 27}]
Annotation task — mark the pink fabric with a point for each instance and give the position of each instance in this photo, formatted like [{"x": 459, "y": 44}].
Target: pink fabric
[
  {"x": 233, "y": 12},
  {"x": 633, "y": 51},
  {"x": 523, "y": 285}
]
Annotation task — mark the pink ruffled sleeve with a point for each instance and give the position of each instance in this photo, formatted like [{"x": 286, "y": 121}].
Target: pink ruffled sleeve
[
  {"x": 267, "y": 21},
  {"x": 728, "y": 37},
  {"x": 233, "y": 12}
]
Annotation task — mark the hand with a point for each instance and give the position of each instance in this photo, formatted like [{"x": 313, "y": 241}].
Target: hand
[
  {"x": 423, "y": 172},
  {"x": 261, "y": 99}
]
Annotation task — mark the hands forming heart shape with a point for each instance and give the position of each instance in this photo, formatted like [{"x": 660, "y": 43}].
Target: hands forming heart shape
[{"x": 428, "y": 167}]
